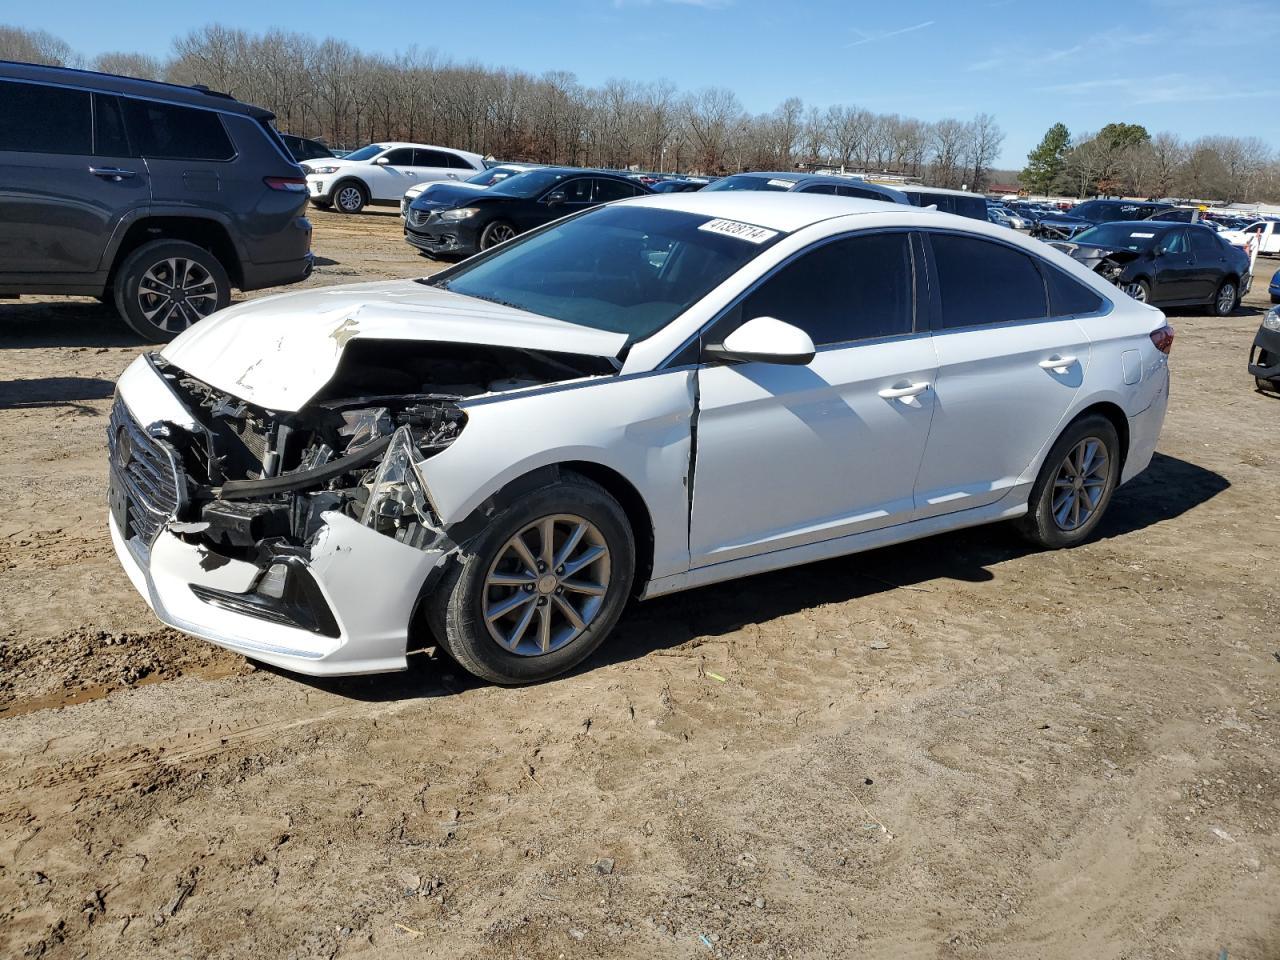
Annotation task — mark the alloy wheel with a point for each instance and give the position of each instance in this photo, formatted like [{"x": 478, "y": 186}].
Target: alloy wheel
[
  {"x": 349, "y": 199},
  {"x": 1079, "y": 484},
  {"x": 500, "y": 233},
  {"x": 1137, "y": 291},
  {"x": 176, "y": 292},
  {"x": 1226, "y": 299},
  {"x": 546, "y": 585}
]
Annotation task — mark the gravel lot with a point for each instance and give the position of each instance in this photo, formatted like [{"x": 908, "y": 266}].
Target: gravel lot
[{"x": 954, "y": 748}]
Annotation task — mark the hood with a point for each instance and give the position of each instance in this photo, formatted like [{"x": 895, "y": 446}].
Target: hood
[
  {"x": 310, "y": 165},
  {"x": 1093, "y": 252},
  {"x": 278, "y": 352},
  {"x": 439, "y": 195}
]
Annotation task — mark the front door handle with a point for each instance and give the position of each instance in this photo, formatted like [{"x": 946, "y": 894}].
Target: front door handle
[
  {"x": 1058, "y": 364},
  {"x": 112, "y": 173},
  {"x": 904, "y": 393}
]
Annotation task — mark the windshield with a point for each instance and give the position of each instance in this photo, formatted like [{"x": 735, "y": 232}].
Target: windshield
[
  {"x": 529, "y": 184},
  {"x": 365, "y": 153},
  {"x": 1100, "y": 211},
  {"x": 486, "y": 178},
  {"x": 1119, "y": 236},
  {"x": 744, "y": 181},
  {"x": 626, "y": 268}
]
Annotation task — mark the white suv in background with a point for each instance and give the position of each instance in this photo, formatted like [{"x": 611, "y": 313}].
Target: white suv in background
[{"x": 382, "y": 172}]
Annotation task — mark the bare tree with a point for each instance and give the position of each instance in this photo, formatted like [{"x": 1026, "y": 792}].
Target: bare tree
[{"x": 35, "y": 46}]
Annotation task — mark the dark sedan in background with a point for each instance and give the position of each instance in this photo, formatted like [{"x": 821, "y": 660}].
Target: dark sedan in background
[
  {"x": 809, "y": 183},
  {"x": 1065, "y": 226},
  {"x": 1166, "y": 264},
  {"x": 463, "y": 225},
  {"x": 1264, "y": 356}
]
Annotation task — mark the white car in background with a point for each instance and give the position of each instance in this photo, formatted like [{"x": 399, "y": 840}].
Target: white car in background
[
  {"x": 1265, "y": 232},
  {"x": 381, "y": 172},
  {"x": 480, "y": 181},
  {"x": 652, "y": 395}
]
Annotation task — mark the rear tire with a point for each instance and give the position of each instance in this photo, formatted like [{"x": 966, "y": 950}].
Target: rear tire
[
  {"x": 155, "y": 306},
  {"x": 350, "y": 196},
  {"x": 1062, "y": 510},
  {"x": 1266, "y": 386},
  {"x": 539, "y": 638}
]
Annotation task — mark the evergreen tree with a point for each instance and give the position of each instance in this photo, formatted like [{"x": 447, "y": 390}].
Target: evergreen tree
[{"x": 1046, "y": 162}]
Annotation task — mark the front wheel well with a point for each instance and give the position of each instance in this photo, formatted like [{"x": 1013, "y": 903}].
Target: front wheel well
[
  {"x": 205, "y": 233},
  {"x": 633, "y": 505}
]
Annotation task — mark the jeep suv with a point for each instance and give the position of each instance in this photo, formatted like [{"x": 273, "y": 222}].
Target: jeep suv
[{"x": 155, "y": 197}]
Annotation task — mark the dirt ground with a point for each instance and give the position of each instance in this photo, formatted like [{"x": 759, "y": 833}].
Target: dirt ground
[{"x": 954, "y": 748}]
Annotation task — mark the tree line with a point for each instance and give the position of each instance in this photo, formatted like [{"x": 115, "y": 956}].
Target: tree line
[
  {"x": 331, "y": 90},
  {"x": 1124, "y": 159}
]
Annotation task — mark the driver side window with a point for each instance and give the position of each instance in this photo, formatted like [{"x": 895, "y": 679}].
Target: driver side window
[
  {"x": 399, "y": 158},
  {"x": 855, "y": 288},
  {"x": 575, "y": 191}
]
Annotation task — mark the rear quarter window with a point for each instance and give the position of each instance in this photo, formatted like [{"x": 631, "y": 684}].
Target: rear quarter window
[
  {"x": 1068, "y": 297},
  {"x": 166, "y": 131},
  {"x": 981, "y": 282}
]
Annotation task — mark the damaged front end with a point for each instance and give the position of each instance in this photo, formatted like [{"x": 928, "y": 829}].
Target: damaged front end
[
  {"x": 1108, "y": 262},
  {"x": 316, "y": 522}
]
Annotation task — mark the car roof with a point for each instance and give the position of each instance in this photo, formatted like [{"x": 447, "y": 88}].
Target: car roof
[
  {"x": 785, "y": 211},
  {"x": 920, "y": 188},
  {"x": 131, "y": 86}
]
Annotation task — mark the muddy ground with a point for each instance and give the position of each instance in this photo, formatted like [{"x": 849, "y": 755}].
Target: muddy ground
[{"x": 954, "y": 748}]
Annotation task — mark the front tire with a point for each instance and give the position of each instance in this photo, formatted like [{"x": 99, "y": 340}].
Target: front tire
[
  {"x": 350, "y": 196},
  {"x": 541, "y": 586},
  {"x": 1075, "y": 485},
  {"x": 165, "y": 286},
  {"x": 1224, "y": 300},
  {"x": 500, "y": 231}
]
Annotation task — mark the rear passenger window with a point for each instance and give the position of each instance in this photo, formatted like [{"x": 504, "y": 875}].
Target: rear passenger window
[
  {"x": 827, "y": 188},
  {"x": 981, "y": 282},
  {"x": 851, "y": 289},
  {"x": 426, "y": 158},
  {"x": 607, "y": 190},
  {"x": 1068, "y": 297},
  {"x": 164, "y": 131},
  {"x": 457, "y": 163},
  {"x": 1204, "y": 244},
  {"x": 40, "y": 119}
]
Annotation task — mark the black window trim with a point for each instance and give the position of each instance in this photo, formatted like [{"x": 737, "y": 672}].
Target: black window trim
[
  {"x": 935, "y": 298},
  {"x": 94, "y": 96},
  {"x": 917, "y": 328}
]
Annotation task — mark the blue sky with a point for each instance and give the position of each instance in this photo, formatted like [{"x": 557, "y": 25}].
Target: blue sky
[{"x": 1190, "y": 66}]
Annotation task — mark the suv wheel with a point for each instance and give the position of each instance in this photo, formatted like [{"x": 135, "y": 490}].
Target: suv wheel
[
  {"x": 165, "y": 286},
  {"x": 350, "y": 197},
  {"x": 1075, "y": 485},
  {"x": 541, "y": 586}
]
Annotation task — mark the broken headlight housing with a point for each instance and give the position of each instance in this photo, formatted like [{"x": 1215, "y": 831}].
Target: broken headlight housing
[{"x": 397, "y": 503}]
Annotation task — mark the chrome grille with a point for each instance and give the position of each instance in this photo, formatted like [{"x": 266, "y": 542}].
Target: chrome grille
[
  {"x": 419, "y": 217},
  {"x": 146, "y": 486}
]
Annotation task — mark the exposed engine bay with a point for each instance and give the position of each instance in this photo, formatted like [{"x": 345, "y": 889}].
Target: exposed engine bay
[{"x": 258, "y": 481}]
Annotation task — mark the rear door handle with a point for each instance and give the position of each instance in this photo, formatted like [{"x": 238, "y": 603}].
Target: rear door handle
[
  {"x": 904, "y": 393},
  {"x": 1058, "y": 364},
  {"x": 112, "y": 173}
]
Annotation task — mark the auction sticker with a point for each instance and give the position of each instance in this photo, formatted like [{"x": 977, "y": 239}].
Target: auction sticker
[
  {"x": 743, "y": 231},
  {"x": 1147, "y": 235}
]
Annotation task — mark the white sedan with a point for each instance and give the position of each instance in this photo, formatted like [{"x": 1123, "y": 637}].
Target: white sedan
[
  {"x": 382, "y": 172},
  {"x": 646, "y": 397}
]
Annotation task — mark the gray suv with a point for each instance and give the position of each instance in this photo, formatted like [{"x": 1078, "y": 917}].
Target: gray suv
[{"x": 155, "y": 197}]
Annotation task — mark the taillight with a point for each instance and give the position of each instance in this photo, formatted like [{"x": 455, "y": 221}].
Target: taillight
[
  {"x": 292, "y": 184},
  {"x": 1163, "y": 338}
]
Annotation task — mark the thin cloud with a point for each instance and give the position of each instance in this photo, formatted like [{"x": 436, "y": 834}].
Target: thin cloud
[
  {"x": 877, "y": 37},
  {"x": 991, "y": 64}
]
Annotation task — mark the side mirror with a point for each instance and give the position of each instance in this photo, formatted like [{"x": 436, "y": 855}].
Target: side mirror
[
  {"x": 765, "y": 340},
  {"x": 382, "y": 161},
  {"x": 556, "y": 196}
]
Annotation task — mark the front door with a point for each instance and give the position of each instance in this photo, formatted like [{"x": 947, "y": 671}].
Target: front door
[
  {"x": 1008, "y": 372},
  {"x": 789, "y": 455},
  {"x": 60, "y": 197}
]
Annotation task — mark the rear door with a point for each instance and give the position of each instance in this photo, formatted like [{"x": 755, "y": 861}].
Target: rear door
[
  {"x": 429, "y": 165},
  {"x": 1210, "y": 259},
  {"x": 1176, "y": 273},
  {"x": 1008, "y": 371},
  {"x": 187, "y": 151},
  {"x": 65, "y": 182}
]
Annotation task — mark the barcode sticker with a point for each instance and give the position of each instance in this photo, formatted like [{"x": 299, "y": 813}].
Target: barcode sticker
[{"x": 743, "y": 231}]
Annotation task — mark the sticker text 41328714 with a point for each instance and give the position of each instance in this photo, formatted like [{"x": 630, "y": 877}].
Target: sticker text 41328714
[{"x": 743, "y": 231}]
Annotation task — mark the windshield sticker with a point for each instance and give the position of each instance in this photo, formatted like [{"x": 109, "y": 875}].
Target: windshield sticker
[
  {"x": 743, "y": 231},
  {"x": 1144, "y": 235},
  {"x": 784, "y": 184}
]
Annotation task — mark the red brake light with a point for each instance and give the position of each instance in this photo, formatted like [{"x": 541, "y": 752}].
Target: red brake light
[
  {"x": 292, "y": 184},
  {"x": 1163, "y": 338}
]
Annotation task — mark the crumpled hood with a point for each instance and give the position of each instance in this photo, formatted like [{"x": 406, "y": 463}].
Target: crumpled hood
[
  {"x": 278, "y": 352},
  {"x": 1090, "y": 253}
]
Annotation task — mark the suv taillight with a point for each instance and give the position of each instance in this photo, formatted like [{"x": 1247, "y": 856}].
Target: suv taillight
[
  {"x": 1163, "y": 339},
  {"x": 292, "y": 184}
]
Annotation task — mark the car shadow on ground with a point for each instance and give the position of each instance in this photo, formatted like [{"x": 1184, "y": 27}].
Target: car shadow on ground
[
  {"x": 53, "y": 392},
  {"x": 63, "y": 323},
  {"x": 1168, "y": 488}
]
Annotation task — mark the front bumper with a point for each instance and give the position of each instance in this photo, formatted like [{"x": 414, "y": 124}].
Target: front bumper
[
  {"x": 368, "y": 584},
  {"x": 445, "y": 238},
  {"x": 1264, "y": 355}
]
